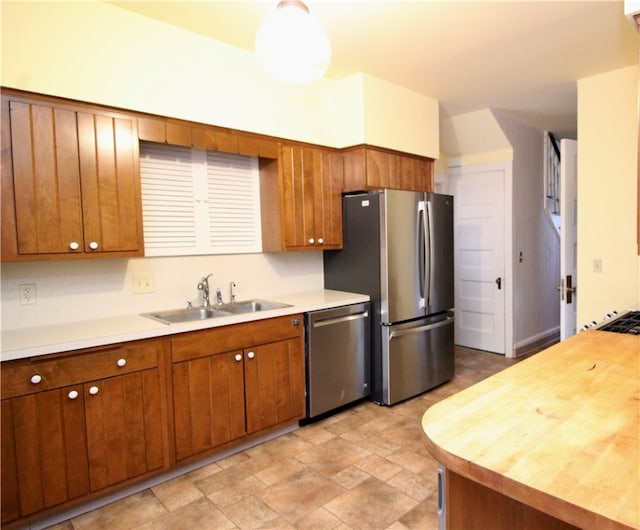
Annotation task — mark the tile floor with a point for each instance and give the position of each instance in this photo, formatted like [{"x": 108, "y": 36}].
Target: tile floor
[{"x": 365, "y": 467}]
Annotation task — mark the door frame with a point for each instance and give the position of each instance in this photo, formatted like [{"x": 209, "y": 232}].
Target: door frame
[{"x": 507, "y": 169}]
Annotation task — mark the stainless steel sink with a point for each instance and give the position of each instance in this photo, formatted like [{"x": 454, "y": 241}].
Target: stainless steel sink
[
  {"x": 175, "y": 316},
  {"x": 251, "y": 306}
]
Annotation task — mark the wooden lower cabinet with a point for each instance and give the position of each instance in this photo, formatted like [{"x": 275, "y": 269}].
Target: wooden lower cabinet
[
  {"x": 69, "y": 431},
  {"x": 236, "y": 381},
  {"x": 78, "y": 425}
]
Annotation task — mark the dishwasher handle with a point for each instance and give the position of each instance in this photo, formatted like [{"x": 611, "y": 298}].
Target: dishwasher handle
[
  {"x": 420, "y": 329},
  {"x": 337, "y": 320}
]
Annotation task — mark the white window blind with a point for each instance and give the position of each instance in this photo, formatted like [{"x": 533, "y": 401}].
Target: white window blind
[{"x": 196, "y": 201}]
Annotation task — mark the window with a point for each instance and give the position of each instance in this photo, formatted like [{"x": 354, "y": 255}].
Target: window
[{"x": 196, "y": 201}]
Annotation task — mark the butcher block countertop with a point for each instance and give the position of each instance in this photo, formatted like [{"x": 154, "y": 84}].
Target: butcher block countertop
[{"x": 558, "y": 431}]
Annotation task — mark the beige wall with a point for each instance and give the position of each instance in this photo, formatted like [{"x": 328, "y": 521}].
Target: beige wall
[
  {"x": 97, "y": 52},
  {"x": 607, "y": 192}
]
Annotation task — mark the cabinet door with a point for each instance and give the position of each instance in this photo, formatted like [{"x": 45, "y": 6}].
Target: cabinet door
[
  {"x": 311, "y": 187},
  {"x": 124, "y": 427},
  {"x": 44, "y": 453},
  {"x": 297, "y": 174},
  {"x": 109, "y": 172},
  {"x": 274, "y": 384},
  {"x": 208, "y": 402},
  {"x": 328, "y": 201},
  {"x": 46, "y": 178}
]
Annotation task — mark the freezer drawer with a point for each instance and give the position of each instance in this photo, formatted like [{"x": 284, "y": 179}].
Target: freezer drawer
[
  {"x": 338, "y": 357},
  {"x": 416, "y": 356}
]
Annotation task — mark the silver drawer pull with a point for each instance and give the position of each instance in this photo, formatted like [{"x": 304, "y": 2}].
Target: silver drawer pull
[
  {"x": 94, "y": 390},
  {"x": 73, "y": 394},
  {"x": 35, "y": 379},
  {"x": 251, "y": 355},
  {"x": 238, "y": 357},
  {"x": 121, "y": 362}
]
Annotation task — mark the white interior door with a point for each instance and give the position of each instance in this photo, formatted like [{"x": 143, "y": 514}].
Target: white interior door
[
  {"x": 479, "y": 242},
  {"x": 568, "y": 236}
]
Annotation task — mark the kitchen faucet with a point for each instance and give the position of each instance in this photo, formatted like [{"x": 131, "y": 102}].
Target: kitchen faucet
[{"x": 203, "y": 286}]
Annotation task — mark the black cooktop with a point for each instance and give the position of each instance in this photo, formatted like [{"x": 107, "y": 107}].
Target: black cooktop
[{"x": 627, "y": 323}]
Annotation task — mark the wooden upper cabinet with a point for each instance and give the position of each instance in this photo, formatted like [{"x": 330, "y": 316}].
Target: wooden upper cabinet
[
  {"x": 70, "y": 183},
  {"x": 368, "y": 168},
  {"x": 187, "y": 134},
  {"x": 301, "y": 200}
]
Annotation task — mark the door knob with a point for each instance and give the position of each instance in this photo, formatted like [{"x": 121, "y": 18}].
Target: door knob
[{"x": 499, "y": 282}]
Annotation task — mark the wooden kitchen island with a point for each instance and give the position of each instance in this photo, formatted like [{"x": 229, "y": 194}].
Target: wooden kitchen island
[{"x": 551, "y": 442}]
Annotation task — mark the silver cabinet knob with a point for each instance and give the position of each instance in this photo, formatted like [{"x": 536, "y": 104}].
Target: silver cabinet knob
[
  {"x": 94, "y": 390},
  {"x": 320, "y": 241},
  {"x": 121, "y": 362},
  {"x": 311, "y": 241},
  {"x": 74, "y": 245},
  {"x": 35, "y": 379},
  {"x": 238, "y": 357},
  {"x": 251, "y": 355},
  {"x": 73, "y": 394},
  {"x": 93, "y": 245}
]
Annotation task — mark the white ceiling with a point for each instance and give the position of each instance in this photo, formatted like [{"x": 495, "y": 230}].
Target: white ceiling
[{"x": 523, "y": 57}]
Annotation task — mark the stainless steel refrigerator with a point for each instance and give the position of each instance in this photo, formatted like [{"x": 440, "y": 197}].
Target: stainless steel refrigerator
[{"x": 398, "y": 249}]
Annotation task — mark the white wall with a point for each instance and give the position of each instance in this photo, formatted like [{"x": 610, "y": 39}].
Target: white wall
[
  {"x": 76, "y": 290},
  {"x": 97, "y": 52},
  {"x": 536, "y": 303},
  {"x": 607, "y": 193}
]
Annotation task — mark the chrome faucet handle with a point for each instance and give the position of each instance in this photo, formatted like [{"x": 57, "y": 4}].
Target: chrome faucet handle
[{"x": 218, "y": 297}]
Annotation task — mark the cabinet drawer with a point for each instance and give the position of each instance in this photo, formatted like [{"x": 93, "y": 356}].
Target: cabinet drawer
[
  {"x": 235, "y": 337},
  {"x": 28, "y": 376}
]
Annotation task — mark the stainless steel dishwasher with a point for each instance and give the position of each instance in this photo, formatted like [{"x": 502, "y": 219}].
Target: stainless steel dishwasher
[{"x": 338, "y": 357}]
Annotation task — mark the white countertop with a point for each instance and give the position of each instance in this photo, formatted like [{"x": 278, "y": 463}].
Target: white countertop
[{"x": 42, "y": 340}]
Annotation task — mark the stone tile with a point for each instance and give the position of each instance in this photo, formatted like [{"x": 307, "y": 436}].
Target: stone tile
[
  {"x": 316, "y": 434},
  {"x": 378, "y": 467},
  {"x": 416, "y": 486},
  {"x": 279, "y": 448},
  {"x": 423, "y": 516},
  {"x": 177, "y": 492},
  {"x": 130, "y": 512},
  {"x": 319, "y": 518},
  {"x": 332, "y": 456},
  {"x": 250, "y": 512},
  {"x": 200, "y": 514},
  {"x": 204, "y": 471},
  {"x": 350, "y": 477},
  {"x": 371, "y": 505},
  {"x": 301, "y": 494},
  {"x": 237, "y": 491},
  {"x": 419, "y": 462},
  {"x": 281, "y": 471},
  {"x": 244, "y": 468}
]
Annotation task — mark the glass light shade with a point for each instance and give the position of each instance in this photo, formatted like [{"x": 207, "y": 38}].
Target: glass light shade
[{"x": 291, "y": 45}]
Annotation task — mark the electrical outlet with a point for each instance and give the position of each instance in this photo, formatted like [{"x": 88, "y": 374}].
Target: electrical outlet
[
  {"x": 143, "y": 283},
  {"x": 28, "y": 293}
]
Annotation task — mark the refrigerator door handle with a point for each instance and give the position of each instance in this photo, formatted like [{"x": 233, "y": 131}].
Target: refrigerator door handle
[
  {"x": 420, "y": 329},
  {"x": 429, "y": 279},
  {"x": 422, "y": 249}
]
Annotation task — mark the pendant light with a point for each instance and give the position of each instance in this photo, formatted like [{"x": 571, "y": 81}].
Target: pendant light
[{"x": 291, "y": 45}]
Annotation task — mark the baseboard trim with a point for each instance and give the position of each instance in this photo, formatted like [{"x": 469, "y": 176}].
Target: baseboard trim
[{"x": 537, "y": 342}]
